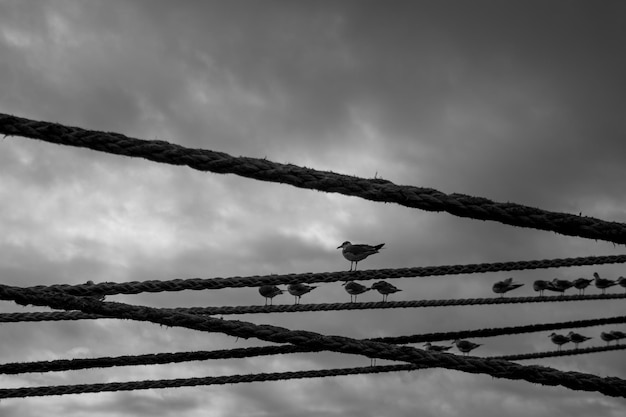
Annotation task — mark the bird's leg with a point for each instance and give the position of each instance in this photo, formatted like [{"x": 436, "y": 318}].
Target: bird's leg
[{"x": 266, "y": 301}]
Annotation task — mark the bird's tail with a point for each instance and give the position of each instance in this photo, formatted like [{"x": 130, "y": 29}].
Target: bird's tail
[{"x": 377, "y": 247}]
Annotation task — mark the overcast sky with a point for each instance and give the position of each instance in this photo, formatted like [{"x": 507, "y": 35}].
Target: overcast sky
[{"x": 513, "y": 101}]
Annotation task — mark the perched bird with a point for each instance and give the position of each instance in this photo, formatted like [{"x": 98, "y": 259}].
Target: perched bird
[
  {"x": 621, "y": 281},
  {"x": 560, "y": 285},
  {"x": 617, "y": 335},
  {"x": 269, "y": 291},
  {"x": 608, "y": 337},
  {"x": 502, "y": 287},
  {"x": 559, "y": 339},
  {"x": 581, "y": 283},
  {"x": 356, "y": 253},
  {"x": 354, "y": 289},
  {"x": 466, "y": 346},
  {"x": 436, "y": 348},
  {"x": 576, "y": 338},
  {"x": 603, "y": 283},
  {"x": 540, "y": 286},
  {"x": 298, "y": 290},
  {"x": 385, "y": 288}
]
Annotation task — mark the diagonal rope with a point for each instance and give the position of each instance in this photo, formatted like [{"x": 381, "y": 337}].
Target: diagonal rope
[
  {"x": 375, "y": 189},
  {"x": 197, "y": 284},
  {"x": 496, "y": 368}
]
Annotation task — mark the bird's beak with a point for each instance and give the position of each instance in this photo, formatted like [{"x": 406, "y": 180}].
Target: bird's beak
[{"x": 339, "y": 247}]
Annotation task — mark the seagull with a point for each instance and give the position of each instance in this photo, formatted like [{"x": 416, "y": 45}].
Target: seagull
[
  {"x": 559, "y": 339},
  {"x": 436, "y": 348},
  {"x": 354, "y": 289},
  {"x": 581, "y": 283},
  {"x": 617, "y": 335},
  {"x": 576, "y": 338},
  {"x": 560, "y": 285},
  {"x": 269, "y": 291},
  {"x": 608, "y": 337},
  {"x": 603, "y": 283},
  {"x": 502, "y": 287},
  {"x": 621, "y": 281},
  {"x": 466, "y": 346},
  {"x": 298, "y": 290},
  {"x": 356, "y": 253},
  {"x": 385, "y": 288},
  {"x": 540, "y": 285}
]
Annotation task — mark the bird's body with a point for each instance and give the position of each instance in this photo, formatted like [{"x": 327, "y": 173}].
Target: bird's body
[
  {"x": 540, "y": 286},
  {"x": 298, "y": 290},
  {"x": 559, "y": 339},
  {"x": 354, "y": 289},
  {"x": 576, "y": 338},
  {"x": 502, "y": 287},
  {"x": 269, "y": 292},
  {"x": 621, "y": 281},
  {"x": 358, "y": 252},
  {"x": 560, "y": 285},
  {"x": 618, "y": 335},
  {"x": 603, "y": 283},
  {"x": 466, "y": 346},
  {"x": 581, "y": 283},
  {"x": 385, "y": 288},
  {"x": 608, "y": 337},
  {"x": 436, "y": 348}
]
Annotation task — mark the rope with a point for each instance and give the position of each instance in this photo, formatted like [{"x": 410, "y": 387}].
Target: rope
[
  {"x": 197, "y": 284},
  {"x": 501, "y": 369},
  {"x": 555, "y": 353},
  {"x": 189, "y": 382},
  {"x": 375, "y": 189}
]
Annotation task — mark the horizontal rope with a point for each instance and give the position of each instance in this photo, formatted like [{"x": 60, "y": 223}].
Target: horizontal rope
[
  {"x": 197, "y": 284},
  {"x": 264, "y": 377},
  {"x": 375, "y": 189},
  {"x": 501, "y": 369},
  {"x": 557, "y": 353}
]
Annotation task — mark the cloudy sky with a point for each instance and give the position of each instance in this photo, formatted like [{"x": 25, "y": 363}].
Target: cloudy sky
[{"x": 512, "y": 101}]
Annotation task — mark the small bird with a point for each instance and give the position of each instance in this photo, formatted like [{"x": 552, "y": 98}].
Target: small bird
[
  {"x": 466, "y": 346},
  {"x": 581, "y": 283},
  {"x": 502, "y": 287},
  {"x": 269, "y": 291},
  {"x": 385, "y": 288},
  {"x": 603, "y": 283},
  {"x": 576, "y": 338},
  {"x": 560, "y": 285},
  {"x": 354, "y": 289},
  {"x": 298, "y": 290},
  {"x": 617, "y": 335},
  {"x": 608, "y": 337},
  {"x": 436, "y": 348},
  {"x": 356, "y": 253},
  {"x": 540, "y": 285},
  {"x": 559, "y": 339},
  {"x": 621, "y": 281}
]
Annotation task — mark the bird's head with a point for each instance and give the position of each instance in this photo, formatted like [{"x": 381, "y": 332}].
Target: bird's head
[{"x": 344, "y": 244}]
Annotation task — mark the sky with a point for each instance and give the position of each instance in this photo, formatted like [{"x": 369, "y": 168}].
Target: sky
[{"x": 512, "y": 101}]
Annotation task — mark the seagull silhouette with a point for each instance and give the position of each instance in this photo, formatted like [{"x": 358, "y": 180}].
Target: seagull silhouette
[
  {"x": 385, "y": 288},
  {"x": 502, "y": 287},
  {"x": 298, "y": 290},
  {"x": 358, "y": 252},
  {"x": 603, "y": 283},
  {"x": 354, "y": 289},
  {"x": 466, "y": 346},
  {"x": 577, "y": 338},
  {"x": 269, "y": 292},
  {"x": 559, "y": 340}
]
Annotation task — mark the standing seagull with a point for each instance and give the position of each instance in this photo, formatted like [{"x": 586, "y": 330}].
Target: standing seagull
[
  {"x": 560, "y": 285},
  {"x": 581, "y": 283},
  {"x": 269, "y": 291},
  {"x": 298, "y": 290},
  {"x": 356, "y": 253},
  {"x": 354, "y": 289},
  {"x": 436, "y": 348},
  {"x": 577, "y": 338},
  {"x": 559, "y": 339},
  {"x": 502, "y": 287},
  {"x": 540, "y": 285},
  {"x": 617, "y": 335},
  {"x": 621, "y": 281},
  {"x": 385, "y": 288},
  {"x": 603, "y": 283},
  {"x": 466, "y": 346},
  {"x": 608, "y": 337}
]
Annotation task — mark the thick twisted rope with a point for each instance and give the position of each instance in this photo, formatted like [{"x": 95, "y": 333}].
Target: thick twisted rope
[
  {"x": 556, "y": 353},
  {"x": 496, "y": 368},
  {"x": 197, "y": 284},
  {"x": 375, "y": 189}
]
